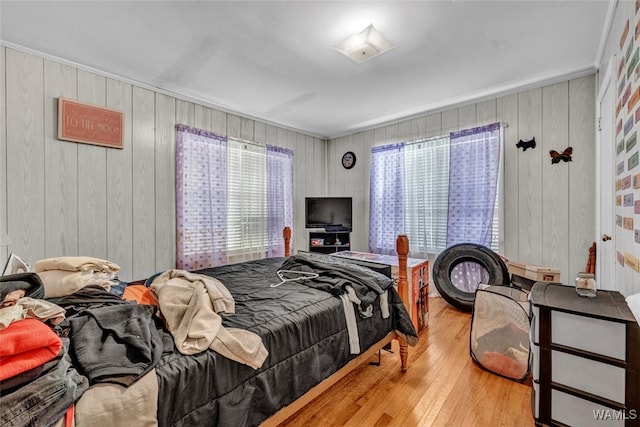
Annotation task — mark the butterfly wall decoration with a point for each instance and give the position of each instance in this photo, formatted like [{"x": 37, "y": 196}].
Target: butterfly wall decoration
[
  {"x": 565, "y": 156},
  {"x": 527, "y": 144}
]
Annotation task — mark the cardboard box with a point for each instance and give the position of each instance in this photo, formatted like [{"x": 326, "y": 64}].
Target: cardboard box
[
  {"x": 417, "y": 278},
  {"x": 534, "y": 272}
]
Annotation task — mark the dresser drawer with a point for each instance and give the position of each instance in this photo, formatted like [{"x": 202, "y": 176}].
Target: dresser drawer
[
  {"x": 573, "y": 411},
  {"x": 593, "y": 377},
  {"x": 587, "y": 333}
]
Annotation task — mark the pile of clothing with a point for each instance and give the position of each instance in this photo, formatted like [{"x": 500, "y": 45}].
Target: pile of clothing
[
  {"x": 61, "y": 330},
  {"x": 38, "y": 384},
  {"x": 64, "y": 275}
]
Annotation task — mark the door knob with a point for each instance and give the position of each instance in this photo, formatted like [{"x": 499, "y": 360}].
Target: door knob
[{"x": 605, "y": 237}]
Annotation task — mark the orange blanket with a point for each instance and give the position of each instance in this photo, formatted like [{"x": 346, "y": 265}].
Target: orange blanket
[{"x": 26, "y": 344}]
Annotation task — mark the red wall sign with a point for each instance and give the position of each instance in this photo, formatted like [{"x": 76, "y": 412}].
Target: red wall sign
[{"x": 89, "y": 124}]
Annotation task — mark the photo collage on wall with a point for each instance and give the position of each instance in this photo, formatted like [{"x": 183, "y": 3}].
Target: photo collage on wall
[{"x": 627, "y": 119}]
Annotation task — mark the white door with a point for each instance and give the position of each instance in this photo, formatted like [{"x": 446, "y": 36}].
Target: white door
[{"x": 605, "y": 253}]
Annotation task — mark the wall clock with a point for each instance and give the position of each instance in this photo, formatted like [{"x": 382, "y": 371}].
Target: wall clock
[{"x": 348, "y": 160}]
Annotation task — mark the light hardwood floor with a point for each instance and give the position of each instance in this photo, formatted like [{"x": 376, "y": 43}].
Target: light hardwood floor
[{"x": 442, "y": 386}]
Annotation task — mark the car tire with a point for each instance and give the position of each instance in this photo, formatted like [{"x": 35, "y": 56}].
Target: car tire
[{"x": 466, "y": 252}]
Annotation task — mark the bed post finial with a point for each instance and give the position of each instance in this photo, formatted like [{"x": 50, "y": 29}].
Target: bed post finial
[
  {"x": 286, "y": 234},
  {"x": 402, "y": 248}
]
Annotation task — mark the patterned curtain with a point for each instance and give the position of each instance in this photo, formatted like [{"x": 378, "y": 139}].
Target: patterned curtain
[
  {"x": 386, "y": 214},
  {"x": 201, "y": 198},
  {"x": 279, "y": 197},
  {"x": 474, "y": 163}
]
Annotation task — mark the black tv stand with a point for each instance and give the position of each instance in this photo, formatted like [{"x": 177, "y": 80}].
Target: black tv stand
[{"x": 329, "y": 241}]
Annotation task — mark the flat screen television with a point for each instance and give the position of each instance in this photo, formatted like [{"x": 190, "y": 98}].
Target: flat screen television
[{"x": 322, "y": 212}]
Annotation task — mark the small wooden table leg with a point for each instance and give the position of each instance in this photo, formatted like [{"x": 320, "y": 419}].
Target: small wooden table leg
[{"x": 404, "y": 353}]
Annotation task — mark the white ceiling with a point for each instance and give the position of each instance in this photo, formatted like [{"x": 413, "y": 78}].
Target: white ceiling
[{"x": 274, "y": 60}]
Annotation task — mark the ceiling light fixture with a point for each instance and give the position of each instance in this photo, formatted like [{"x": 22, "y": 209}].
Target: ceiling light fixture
[{"x": 364, "y": 45}]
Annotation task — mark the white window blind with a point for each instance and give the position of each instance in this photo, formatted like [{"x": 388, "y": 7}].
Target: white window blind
[
  {"x": 247, "y": 211},
  {"x": 427, "y": 194}
]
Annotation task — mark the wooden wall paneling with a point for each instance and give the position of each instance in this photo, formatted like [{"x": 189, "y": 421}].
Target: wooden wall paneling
[
  {"x": 332, "y": 149},
  {"x": 418, "y": 127},
  {"x": 320, "y": 153},
  {"x": 291, "y": 140},
  {"x": 301, "y": 170},
  {"x": 120, "y": 190},
  {"x": 202, "y": 117},
  {"x": 343, "y": 177},
  {"x": 392, "y": 134},
  {"x": 144, "y": 170},
  {"x": 61, "y": 166},
  {"x": 405, "y": 132},
  {"x": 379, "y": 138},
  {"x": 260, "y": 133},
  {"x": 246, "y": 129},
  {"x": 312, "y": 172},
  {"x": 507, "y": 112},
  {"x": 433, "y": 125},
  {"x": 581, "y": 173},
  {"x": 449, "y": 120},
  {"x": 3, "y": 153},
  {"x": 360, "y": 191},
  {"x": 530, "y": 178},
  {"x": 234, "y": 126},
  {"x": 555, "y": 178},
  {"x": 486, "y": 112},
  {"x": 281, "y": 136},
  {"x": 271, "y": 135},
  {"x": 92, "y": 177},
  {"x": 25, "y": 155},
  {"x": 165, "y": 184},
  {"x": 467, "y": 117},
  {"x": 344, "y": 185},
  {"x": 185, "y": 113},
  {"x": 219, "y": 122}
]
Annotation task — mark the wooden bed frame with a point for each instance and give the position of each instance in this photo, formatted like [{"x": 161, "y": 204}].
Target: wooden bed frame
[{"x": 402, "y": 249}]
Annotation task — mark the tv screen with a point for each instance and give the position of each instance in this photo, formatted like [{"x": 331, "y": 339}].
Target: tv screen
[{"x": 321, "y": 212}]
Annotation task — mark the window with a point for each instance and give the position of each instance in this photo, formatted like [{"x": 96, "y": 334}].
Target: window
[
  {"x": 246, "y": 201},
  {"x": 233, "y": 199},
  {"x": 448, "y": 192},
  {"x": 427, "y": 194}
]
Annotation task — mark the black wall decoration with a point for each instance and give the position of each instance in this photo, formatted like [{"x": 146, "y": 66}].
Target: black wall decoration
[
  {"x": 527, "y": 144},
  {"x": 565, "y": 156}
]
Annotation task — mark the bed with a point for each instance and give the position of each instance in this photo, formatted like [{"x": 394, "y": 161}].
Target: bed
[{"x": 302, "y": 323}]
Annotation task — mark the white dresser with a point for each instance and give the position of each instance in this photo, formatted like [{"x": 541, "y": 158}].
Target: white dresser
[{"x": 585, "y": 358}]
